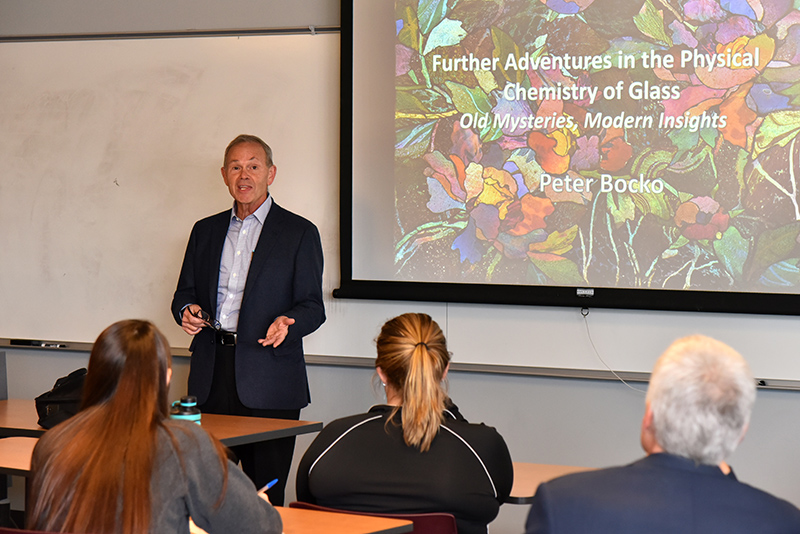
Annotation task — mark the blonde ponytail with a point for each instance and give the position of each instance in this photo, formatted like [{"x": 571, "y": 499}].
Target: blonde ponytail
[{"x": 412, "y": 352}]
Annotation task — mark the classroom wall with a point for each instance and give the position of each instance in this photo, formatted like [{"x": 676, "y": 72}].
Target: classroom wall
[{"x": 549, "y": 420}]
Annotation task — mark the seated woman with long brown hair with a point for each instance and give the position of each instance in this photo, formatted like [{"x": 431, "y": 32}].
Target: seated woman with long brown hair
[
  {"x": 415, "y": 454},
  {"x": 122, "y": 466}
]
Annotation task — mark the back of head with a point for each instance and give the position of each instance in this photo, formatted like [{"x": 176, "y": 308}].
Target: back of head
[
  {"x": 86, "y": 467},
  {"x": 701, "y": 395},
  {"x": 128, "y": 367},
  {"x": 412, "y": 352}
]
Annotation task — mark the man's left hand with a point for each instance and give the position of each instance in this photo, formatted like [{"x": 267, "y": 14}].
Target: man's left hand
[{"x": 277, "y": 331}]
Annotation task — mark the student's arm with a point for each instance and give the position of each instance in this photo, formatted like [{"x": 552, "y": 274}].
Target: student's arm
[
  {"x": 330, "y": 434},
  {"x": 501, "y": 467},
  {"x": 241, "y": 510},
  {"x": 301, "y": 483},
  {"x": 493, "y": 451}
]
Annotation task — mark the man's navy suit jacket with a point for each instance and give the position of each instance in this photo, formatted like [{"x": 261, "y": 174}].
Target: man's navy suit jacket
[
  {"x": 659, "y": 494},
  {"x": 285, "y": 278}
]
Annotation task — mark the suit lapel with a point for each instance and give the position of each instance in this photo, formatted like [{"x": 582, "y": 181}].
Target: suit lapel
[
  {"x": 265, "y": 246},
  {"x": 217, "y": 239}
]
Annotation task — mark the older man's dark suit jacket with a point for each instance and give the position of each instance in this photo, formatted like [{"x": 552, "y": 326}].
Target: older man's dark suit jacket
[
  {"x": 285, "y": 278},
  {"x": 659, "y": 494}
]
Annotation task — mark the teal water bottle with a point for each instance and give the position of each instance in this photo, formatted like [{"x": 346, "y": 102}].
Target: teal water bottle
[{"x": 186, "y": 409}]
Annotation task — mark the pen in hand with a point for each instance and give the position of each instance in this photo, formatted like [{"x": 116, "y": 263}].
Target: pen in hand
[
  {"x": 269, "y": 485},
  {"x": 263, "y": 491}
]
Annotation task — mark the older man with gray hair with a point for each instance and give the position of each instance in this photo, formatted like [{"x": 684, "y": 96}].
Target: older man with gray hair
[{"x": 697, "y": 410}]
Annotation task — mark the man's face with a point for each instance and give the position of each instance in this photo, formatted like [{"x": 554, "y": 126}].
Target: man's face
[{"x": 248, "y": 176}]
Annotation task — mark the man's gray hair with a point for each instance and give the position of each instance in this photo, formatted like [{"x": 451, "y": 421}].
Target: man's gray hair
[
  {"x": 701, "y": 395},
  {"x": 247, "y": 138}
]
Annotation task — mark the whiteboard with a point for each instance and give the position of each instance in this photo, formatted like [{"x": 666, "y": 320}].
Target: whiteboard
[{"x": 110, "y": 151}]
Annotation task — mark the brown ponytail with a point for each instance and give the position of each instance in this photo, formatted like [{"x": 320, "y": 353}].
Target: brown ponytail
[{"x": 412, "y": 352}]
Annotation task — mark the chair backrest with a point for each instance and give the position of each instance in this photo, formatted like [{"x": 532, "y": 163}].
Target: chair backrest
[{"x": 427, "y": 523}]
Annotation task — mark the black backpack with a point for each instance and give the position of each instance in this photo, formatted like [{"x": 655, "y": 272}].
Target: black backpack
[{"x": 63, "y": 401}]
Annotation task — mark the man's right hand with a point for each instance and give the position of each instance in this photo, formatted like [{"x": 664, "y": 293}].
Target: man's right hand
[{"x": 191, "y": 324}]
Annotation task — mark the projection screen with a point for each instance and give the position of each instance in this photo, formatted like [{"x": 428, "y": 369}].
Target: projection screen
[{"x": 604, "y": 153}]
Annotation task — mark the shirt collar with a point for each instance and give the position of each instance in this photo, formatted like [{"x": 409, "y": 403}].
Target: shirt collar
[
  {"x": 665, "y": 459},
  {"x": 385, "y": 409},
  {"x": 260, "y": 214}
]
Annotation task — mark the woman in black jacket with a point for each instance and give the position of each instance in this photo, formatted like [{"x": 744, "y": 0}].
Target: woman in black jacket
[{"x": 413, "y": 454}]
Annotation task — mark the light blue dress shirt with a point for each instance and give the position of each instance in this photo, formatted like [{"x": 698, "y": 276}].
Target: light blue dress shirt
[{"x": 237, "y": 252}]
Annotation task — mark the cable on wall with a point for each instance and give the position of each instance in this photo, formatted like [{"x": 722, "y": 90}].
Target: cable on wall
[{"x": 585, "y": 314}]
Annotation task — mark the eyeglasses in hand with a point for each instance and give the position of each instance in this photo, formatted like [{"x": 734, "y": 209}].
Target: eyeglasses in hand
[{"x": 206, "y": 318}]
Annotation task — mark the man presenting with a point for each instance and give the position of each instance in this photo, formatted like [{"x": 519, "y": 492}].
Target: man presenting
[
  {"x": 697, "y": 410},
  {"x": 249, "y": 290}
]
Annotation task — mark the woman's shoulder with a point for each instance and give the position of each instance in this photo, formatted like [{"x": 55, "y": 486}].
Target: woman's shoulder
[
  {"x": 356, "y": 420},
  {"x": 187, "y": 437},
  {"x": 357, "y": 425},
  {"x": 185, "y": 430},
  {"x": 353, "y": 429},
  {"x": 484, "y": 443},
  {"x": 454, "y": 419},
  {"x": 186, "y": 446},
  {"x": 476, "y": 434},
  {"x": 452, "y": 411}
]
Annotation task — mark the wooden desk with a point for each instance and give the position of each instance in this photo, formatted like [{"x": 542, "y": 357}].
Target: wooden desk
[
  {"x": 299, "y": 521},
  {"x": 18, "y": 418},
  {"x": 15, "y": 455},
  {"x": 239, "y": 430},
  {"x": 527, "y": 478}
]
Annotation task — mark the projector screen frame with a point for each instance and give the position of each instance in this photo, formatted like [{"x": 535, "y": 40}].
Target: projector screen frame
[{"x": 534, "y": 295}]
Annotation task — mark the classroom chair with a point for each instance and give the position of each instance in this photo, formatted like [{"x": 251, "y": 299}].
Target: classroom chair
[{"x": 428, "y": 523}]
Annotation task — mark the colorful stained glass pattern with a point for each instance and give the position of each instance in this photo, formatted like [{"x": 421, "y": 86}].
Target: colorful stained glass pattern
[{"x": 603, "y": 143}]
